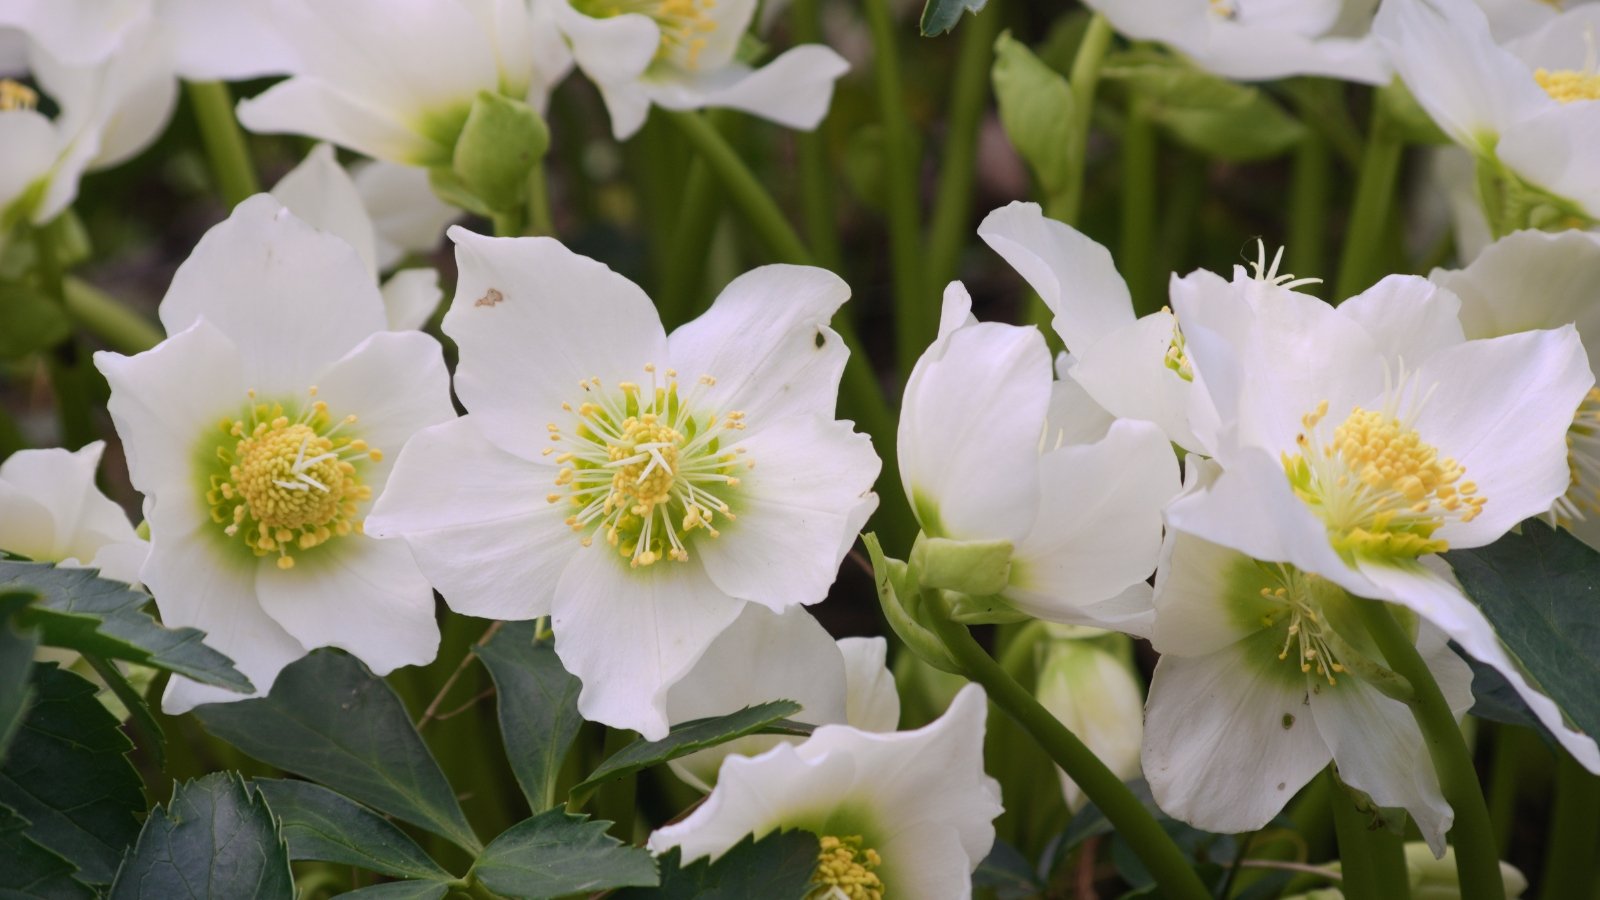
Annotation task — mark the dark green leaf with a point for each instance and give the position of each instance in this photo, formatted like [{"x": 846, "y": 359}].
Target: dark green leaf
[
  {"x": 320, "y": 824},
  {"x": 400, "y": 890},
  {"x": 1541, "y": 591},
  {"x": 216, "y": 838},
  {"x": 1494, "y": 698},
  {"x": 81, "y": 611},
  {"x": 66, "y": 773},
  {"x": 777, "y": 867},
  {"x": 939, "y": 16},
  {"x": 16, "y": 657},
  {"x": 147, "y": 731},
  {"x": 330, "y": 720},
  {"x": 538, "y": 702},
  {"x": 29, "y": 321},
  {"x": 555, "y": 853},
  {"x": 691, "y": 736},
  {"x": 29, "y": 870},
  {"x": 1006, "y": 872}
]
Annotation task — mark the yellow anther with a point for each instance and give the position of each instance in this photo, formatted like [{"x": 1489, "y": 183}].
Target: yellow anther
[
  {"x": 15, "y": 95},
  {"x": 846, "y": 867},
  {"x": 1569, "y": 85}
]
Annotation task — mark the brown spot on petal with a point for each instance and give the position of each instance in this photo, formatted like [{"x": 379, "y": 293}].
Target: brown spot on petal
[{"x": 491, "y": 297}]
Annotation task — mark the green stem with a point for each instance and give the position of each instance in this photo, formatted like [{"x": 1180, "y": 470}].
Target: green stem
[
  {"x": 1308, "y": 206},
  {"x": 1133, "y": 822},
  {"x": 816, "y": 183},
  {"x": 224, "y": 142},
  {"x": 69, "y": 376},
  {"x": 1569, "y": 863},
  {"x": 123, "y": 330},
  {"x": 1139, "y": 152},
  {"x": 691, "y": 241},
  {"x": 1506, "y": 765},
  {"x": 1369, "y": 214},
  {"x": 1477, "y": 861},
  {"x": 916, "y": 314},
  {"x": 1372, "y": 860},
  {"x": 539, "y": 221},
  {"x": 952, "y": 206}
]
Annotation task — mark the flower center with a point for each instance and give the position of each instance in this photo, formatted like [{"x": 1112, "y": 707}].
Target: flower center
[
  {"x": 1177, "y": 358},
  {"x": 16, "y": 95},
  {"x": 1569, "y": 85},
  {"x": 684, "y": 24},
  {"x": 643, "y": 469},
  {"x": 845, "y": 870},
  {"x": 1381, "y": 489},
  {"x": 287, "y": 485},
  {"x": 1308, "y": 638},
  {"x": 1582, "y": 498}
]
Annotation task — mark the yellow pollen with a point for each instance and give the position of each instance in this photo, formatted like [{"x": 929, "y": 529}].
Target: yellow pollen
[
  {"x": 1582, "y": 499},
  {"x": 1381, "y": 489},
  {"x": 283, "y": 485},
  {"x": 1569, "y": 85},
  {"x": 1177, "y": 358},
  {"x": 16, "y": 95},
  {"x": 845, "y": 867}
]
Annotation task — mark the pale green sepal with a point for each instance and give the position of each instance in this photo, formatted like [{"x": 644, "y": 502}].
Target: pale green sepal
[
  {"x": 1512, "y": 204},
  {"x": 449, "y": 188},
  {"x": 1035, "y": 110},
  {"x": 893, "y": 581},
  {"x": 989, "y": 610},
  {"x": 975, "y": 568},
  {"x": 500, "y": 144},
  {"x": 1390, "y": 819}
]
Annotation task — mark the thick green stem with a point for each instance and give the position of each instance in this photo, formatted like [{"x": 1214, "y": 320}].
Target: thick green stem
[
  {"x": 916, "y": 313},
  {"x": 691, "y": 241},
  {"x": 1139, "y": 176},
  {"x": 69, "y": 375},
  {"x": 1369, "y": 214},
  {"x": 1372, "y": 861},
  {"x": 1133, "y": 822},
  {"x": 1569, "y": 863},
  {"x": 1308, "y": 207},
  {"x": 539, "y": 220},
  {"x": 952, "y": 208},
  {"x": 816, "y": 183},
  {"x": 1507, "y": 764},
  {"x": 1477, "y": 861},
  {"x": 224, "y": 142},
  {"x": 123, "y": 330}
]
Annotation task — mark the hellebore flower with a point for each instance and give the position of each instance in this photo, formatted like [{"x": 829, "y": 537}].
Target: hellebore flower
[{"x": 51, "y": 511}]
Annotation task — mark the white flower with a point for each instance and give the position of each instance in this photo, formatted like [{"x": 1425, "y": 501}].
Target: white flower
[
  {"x": 1258, "y": 687},
  {"x": 51, "y": 511},
  {"x": 77, "y": 32},
  {"x": 1526, "y": 104},
  {"x": 1359, "y": 443},
  {"x": 1259, "y": 41},
  {"x": 979, "y": 464},
  {"x": 680, "y": 54},
  {"x": 407, "y": 216},
  {"x": 766, "y": 656},
  {"x": 256, "y": 434},
  {"x": 402, "y": 92},
  {"x": 906, "y": 814},
  {"x": 1087, "y": 682},
  {"x": 321, "y": 193},
  {"x": 1533, "y": 279},
  {"x": 638, "y": 489}
]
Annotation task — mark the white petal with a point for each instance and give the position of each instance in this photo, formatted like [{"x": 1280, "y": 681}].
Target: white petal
[
  {"x": 291, "y": 298},
  {"x": 613, "y": 49},
  {"x": 224, "y": 40},
  {"x": 121, "y": 560},
  {"x": 533, "y": 319},
  {"x": 406, "y": 213},
  {"x": 32, "y": 144},
  {"x": 79, "y": 32},
  {"x": 631, "y": 634},
  {"x": 317, "y": 110},
  {"x": 82, "y": 520},
  {"x": 164, "y": 399},
  {"x": 793, "y": 90},
  {"x": 1529, "y": 280},
  {"x": 135, "y": 97},
  {"x": 27, "y": 528},
  {"x": 1436, "y": 598},
  {"x": 872, "y": 702},
  {"x": 955, "y": 309},
  {"x": 319, "y": 191},
  {"x": 1098, "y": 530},
  {"x": 1226, "y": 744},
  {"x": 477, "y": 521},
  {"x": 1407, "y": 317},
  {"x": 1126, "y": 373},
  {"x": 767, "y": 343},
  {"x": 1073, "y": 416},
  {"x": 799, "y": 508},
  {"x": 1073, "y": 275},
  {"x": 628, "y": 104},
  {"x": 1198, "y": 589},
  {"x": 358, "y": 594},
  {"x": 409, "y": 298},
  {"x": 970, "y": 426},
  {"x": 1551, "y": 150},
  {"x": 1501, "y": 407}
]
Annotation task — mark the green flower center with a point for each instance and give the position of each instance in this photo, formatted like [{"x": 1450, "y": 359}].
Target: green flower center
[
  {"x": 644, "y": 470},
  {"x": 1380, "y": 488},
  {"x": 846, "y": 869},
  {"x": 280, "y": 485}
]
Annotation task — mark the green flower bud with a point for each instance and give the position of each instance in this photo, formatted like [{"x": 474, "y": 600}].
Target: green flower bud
[
  {"x": 501, "y": 142},
  {"x": 975, "y": 568},
  {"x": 1090, "y": 686}
]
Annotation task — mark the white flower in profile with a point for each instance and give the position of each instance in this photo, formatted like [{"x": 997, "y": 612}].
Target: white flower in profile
[
  {"x": 640, "y": 489},
  {"x": 1259, "y": 41},
  {"x": 1359, "y": 443},
  {"x": 402, "y": 92},
  {"x": 1260, "y": 685},
  {"x": 407, "y": 216},
  {"x": 766, "y": 656},
  {"x": 980, "y": 462},
  {"x": 321, "y": 193},
  {"x": 1526, "y": 105},
  {"x": 1087, "y": 682},
  {"x": 259, "y": 431},
  {"x": 51, "y": 511},
  {"x": 1534, "y": 279},
  {"x": 681, "y": 54},
  {"x": 907, "y": 814}
]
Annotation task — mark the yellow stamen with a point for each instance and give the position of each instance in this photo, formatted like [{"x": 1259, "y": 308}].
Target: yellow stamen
[{"x": 846, "y": 867}]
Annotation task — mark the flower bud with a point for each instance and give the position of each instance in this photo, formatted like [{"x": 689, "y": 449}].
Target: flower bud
[
  {"x": 1089, "y": 685},
  {"x": 499, "y": 145},
  {"x": 975, "y": 568}
]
